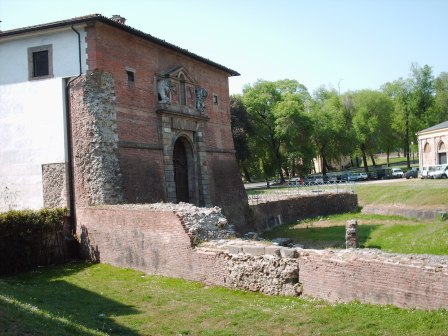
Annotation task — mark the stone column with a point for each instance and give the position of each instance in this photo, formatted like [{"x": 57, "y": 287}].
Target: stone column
[{"x": 351, "y": 234}]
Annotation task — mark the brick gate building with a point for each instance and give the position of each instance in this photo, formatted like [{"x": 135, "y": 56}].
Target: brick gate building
[{"x": 96, "y": 112}]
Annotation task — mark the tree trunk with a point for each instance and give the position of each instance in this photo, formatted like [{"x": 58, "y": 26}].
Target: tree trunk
[
  {"x": 322, "y": 154},
  {"x": 408, "y": 161},
  {"x": 246, "y": 175},
  {"x": 364, "y": 158},
  {"x": 387, "y": 157},
  {"x": 287, "y": 171},
  {"x": 373, "y": 160}
]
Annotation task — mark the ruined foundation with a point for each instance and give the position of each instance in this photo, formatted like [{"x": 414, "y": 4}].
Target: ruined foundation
[{"x": 162, "y": 239}]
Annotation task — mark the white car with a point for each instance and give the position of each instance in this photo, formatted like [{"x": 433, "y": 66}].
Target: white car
[
  {"x": 397, "y": 173},
  {"x": 440, "y": 171}
]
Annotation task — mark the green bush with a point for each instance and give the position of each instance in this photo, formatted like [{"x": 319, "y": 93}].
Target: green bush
[{"x": 29, "y": 238}]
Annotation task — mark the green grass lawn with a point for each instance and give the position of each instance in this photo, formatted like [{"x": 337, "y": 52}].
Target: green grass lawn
[
  {"x": 388, "y": 233},
  {"x": 410, "y": 193},
  {"x": 83, "y": 299}
]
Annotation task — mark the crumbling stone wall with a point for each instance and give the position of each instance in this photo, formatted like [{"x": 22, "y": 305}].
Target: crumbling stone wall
[
  {"x": 54, "y": 183},
  {"x": 97, "y": 173}
]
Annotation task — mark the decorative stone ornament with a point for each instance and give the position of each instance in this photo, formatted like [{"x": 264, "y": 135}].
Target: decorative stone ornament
[
  {"x": 163, "y": 90},
  {"x": 201, "y": 94}
]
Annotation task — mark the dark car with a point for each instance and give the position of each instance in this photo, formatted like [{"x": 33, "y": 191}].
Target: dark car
[{"x": 412, "y": 173}]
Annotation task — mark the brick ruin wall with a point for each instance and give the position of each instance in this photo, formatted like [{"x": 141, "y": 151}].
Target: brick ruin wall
[
  {"x": 161, "y": 241},
  {"x": 270, "y": 214}
]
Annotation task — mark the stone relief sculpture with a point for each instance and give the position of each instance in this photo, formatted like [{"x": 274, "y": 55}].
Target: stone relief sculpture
[
  {"x": 201, "y": 94},
  {"x": 163, "y": 90}
]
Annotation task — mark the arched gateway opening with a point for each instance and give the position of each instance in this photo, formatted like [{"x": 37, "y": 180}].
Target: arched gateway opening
[{"x": 180, "y": 163}]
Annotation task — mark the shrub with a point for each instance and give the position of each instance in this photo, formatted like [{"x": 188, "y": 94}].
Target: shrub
[{"x": 29, "y": 238}]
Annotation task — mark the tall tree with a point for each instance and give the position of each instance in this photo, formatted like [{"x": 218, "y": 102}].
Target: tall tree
[
  {"x": 441, "y": 99},
  {"x": 266, "y": 105},
  {"x": 294, "y": 127},
  {"x": 373, "y": 113},
  {"x": 332, "y": 134},
  {"x": 414, "y": 104},
  {"x": 241, "y": 128}
]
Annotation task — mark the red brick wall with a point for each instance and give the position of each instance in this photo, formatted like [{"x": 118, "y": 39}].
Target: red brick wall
[
  {"x": 112, "y": 50},
  {"x": 266, "y": 214},
  {"x": 379, "y": 279},
  {"x": 227, "y": 191},
  {"x": 156, "y": 242},
  {"x": 151, "y": 241}
]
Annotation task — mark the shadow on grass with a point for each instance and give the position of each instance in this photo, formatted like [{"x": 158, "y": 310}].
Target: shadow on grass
[
  {"x": 320, "y": 237},
  {"x": 41, "y": 304}
]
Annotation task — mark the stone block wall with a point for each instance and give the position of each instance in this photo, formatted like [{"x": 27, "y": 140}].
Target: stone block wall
[
  {"x": 55, "y": 185},
  {"x": 270, "y": 214},
  {"x": 97, "y": 173},
  {"x": 159, "y": 241}
]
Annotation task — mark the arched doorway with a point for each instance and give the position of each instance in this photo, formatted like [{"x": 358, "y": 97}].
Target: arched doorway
[{"x": 180, "y": 163}]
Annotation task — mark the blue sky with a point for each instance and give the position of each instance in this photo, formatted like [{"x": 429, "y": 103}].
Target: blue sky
[{"x": 346, "y": 44}]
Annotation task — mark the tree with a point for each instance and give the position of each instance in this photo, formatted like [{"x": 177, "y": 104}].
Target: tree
[
  {"x": 332, "y": 135},
  {"x": 294, "y": 128},
  {"x": 269, "y": 106},
  {"x": 441, "y": 99},
  {"x": 241, "y": 129},
  {"x": 414, "y": 104},
  {"x": 372, "y": 120}
]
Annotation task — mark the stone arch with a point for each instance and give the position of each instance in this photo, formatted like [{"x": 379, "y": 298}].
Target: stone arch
[
  {"x": 184, "y": 170},
  {"x": 427, "y": 148}
]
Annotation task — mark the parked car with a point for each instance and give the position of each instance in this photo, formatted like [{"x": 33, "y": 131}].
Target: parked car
[
  {"x": 440, "y": 171},
  {"x": 427, "y": 171},
  {"x": 397, "y": 173},
  {"x": 354, "y": 176},
  {"x": 412, "y": 173}
]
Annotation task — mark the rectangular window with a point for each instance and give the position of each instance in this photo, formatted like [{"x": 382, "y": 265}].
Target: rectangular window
[
  {"x": 130, "y": 76},
  {"x": 215, "y": 99},
  {"x": 40, "y": 62}
]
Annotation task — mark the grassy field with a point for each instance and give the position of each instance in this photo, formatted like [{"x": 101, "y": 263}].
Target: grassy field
[
  {"x": 388, "y": 233},
  {"x": 83, "y": 299},
  {"x": 391, "y": 234},
  {"x": 410, "y": 193}
]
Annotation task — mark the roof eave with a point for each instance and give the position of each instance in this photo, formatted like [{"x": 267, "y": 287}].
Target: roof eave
[{"x": 101, "y": 18}]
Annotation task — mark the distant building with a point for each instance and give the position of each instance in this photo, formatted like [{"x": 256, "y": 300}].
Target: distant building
[
  {"x": 93, "y": 112},
  {"x": 433, "y": 144}
]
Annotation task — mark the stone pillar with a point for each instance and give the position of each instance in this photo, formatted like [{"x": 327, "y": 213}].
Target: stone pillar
[
  {"x": 351, "y": 234},
  {"x": 97, "y": 172}
]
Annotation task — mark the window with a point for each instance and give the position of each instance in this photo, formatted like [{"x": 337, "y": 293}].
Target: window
[
  {"x": 183, "y": 98},
  {"x": 215, "y": 99},
  {"x": 40, "y": 62},
  {"x": 130, "y": 76}
]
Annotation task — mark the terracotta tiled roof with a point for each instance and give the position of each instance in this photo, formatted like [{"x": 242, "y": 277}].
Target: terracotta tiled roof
[{"x": 101, "y": 18}]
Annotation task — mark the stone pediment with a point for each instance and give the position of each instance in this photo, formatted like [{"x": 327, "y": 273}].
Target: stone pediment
[{"x": 177, "y": 73}]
